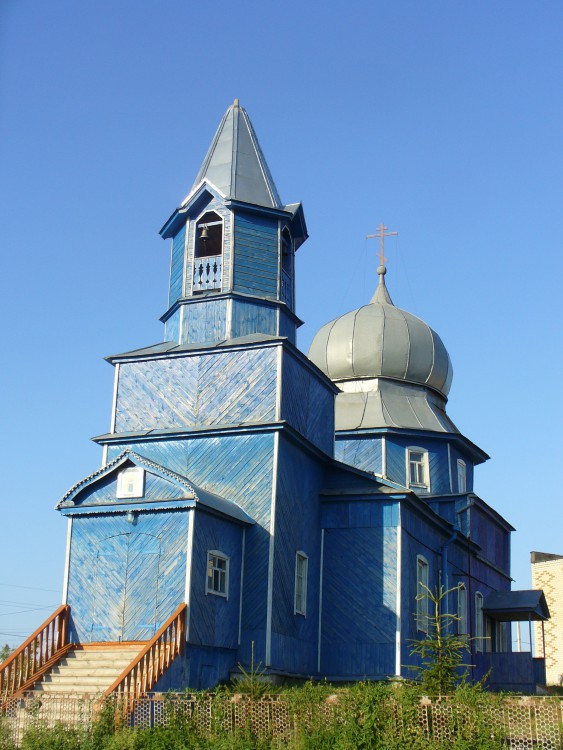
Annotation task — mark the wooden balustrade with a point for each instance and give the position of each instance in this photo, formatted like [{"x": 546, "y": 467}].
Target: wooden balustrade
[
  {"x": 207, "y": 273},
  {"x": 143, "y": 673},
  {"x": 36, "y": 655}
]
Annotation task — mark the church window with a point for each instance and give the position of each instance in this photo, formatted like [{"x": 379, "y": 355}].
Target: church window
[
  {"x": 131, "y": 483},
  {"x": 422, "y": 580},
  {"x": 462, "y": 609},
  {"x": 217, "y": 574},
  {"x": 209, "y": 235},
  {"x": 461, "y": 476},
  {"x": 417, "y": 468},
  {"x": 479, "y": 632},
  {"x": 286, "y": 264},
  {"x": 301, "y": 565},
  {"x": 208, "y": 253}
]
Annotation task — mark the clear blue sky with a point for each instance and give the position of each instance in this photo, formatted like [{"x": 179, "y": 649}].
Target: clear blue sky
[{"x": 444, "y": 119}]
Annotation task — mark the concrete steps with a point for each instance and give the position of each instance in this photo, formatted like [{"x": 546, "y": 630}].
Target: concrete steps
[{"x": 88, "y": 669}]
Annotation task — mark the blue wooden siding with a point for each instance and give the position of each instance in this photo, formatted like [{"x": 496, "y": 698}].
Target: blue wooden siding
[
  {"x": 205, "y": 322},
  {"x": 172, "y": 327},
  {"x": 177, "y": 266},
  {"x": 307, "y": 404},
  {"x": 359, "y": 617},
  {"x": 214, "y": 620},
  {"x": 199, "y": 668},
  {"x": 240, "y": 468},
  {"x": 364, "y": 453},
  {"x": 294, "y": 636},
  {"x": 287, "y": 327},
  {"x": 256, "y": 256},
  {"x": 125, "y": 579},
  {"x": 252, "y": 317},
  {"x": 207, "y": 389}
]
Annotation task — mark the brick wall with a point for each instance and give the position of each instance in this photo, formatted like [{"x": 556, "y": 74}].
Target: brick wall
[{"x": 547, "y": 574}]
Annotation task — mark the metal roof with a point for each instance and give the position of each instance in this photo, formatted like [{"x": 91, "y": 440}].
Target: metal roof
[
  {"x": 235, "y": 164},
  {"x": 515, "y": 606}
]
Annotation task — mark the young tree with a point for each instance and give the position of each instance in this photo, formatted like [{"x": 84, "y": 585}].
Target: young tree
[
  {"x": 441, "y": 651},
  {"x": 5, "y": 651}
]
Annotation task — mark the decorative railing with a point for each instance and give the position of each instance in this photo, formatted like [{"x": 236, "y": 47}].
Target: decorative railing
[
  {"x": 36, "y": 655},
  {"x": 207, "y": 273},
  {"x": 143, "y": 673}
]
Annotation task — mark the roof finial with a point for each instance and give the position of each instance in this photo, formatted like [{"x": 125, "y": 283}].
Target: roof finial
[
  {"x": 236, "y": 103},
  {"x": 381, "y": 293}
]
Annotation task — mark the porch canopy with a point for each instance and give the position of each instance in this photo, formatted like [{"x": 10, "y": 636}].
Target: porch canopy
[{"x": 516, "y": 606}]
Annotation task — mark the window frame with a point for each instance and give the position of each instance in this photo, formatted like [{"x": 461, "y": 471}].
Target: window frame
[
  {"x": 199, "y": 224},
  {"x": 463, "y": 621},
  {"x": 138, "y": 489},
  {"x": 424, "y": 464},
  {"x": 300, "y": 590},
  {"x": 479, "y": 623},
  {"x": 223, "y": 573},
  {"x": 422, "y": 589},
  {"x": 461, "y": 475}
]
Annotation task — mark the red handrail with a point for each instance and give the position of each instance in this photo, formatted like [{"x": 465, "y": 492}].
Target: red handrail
[
  {"x": 35, "y": 655},
  {"x": 147, "y": 668}
]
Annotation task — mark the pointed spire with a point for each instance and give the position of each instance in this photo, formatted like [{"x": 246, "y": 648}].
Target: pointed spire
[
  {"x": 381, "y": 294},
  {"x": 235, "y": 163}
]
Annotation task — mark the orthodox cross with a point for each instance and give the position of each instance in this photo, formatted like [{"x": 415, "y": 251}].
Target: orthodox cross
[{"x": 381, "y": 232}]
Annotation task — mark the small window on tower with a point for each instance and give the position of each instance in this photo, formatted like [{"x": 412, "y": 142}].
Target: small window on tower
[
  {"x": 209, "y": 236},
  {"x": 131, "y": 483},
  {"x": 417, "y": 468},
  {"x": 217, "y": 574},
  {"x": 461, "y": 476},
  {"x": 301, "y": 565}
]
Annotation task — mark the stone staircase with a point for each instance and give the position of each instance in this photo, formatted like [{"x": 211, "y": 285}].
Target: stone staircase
[{"x": 87, "y": 670}]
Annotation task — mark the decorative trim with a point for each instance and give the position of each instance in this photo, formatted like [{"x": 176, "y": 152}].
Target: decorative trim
[
  {"x": 188, "y": 587},
  {"x": 268, "y": 655},
  {"x": 399, "y": 593},
  {"x": 321, "y": 571},
  {"x": 66, "y": 574},
  {"x": 450, "y": 467}
]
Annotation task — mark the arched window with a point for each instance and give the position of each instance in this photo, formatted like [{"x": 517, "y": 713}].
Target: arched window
[
  {"x": 461, "y": 476},
  {"x": 462, "y": 609},
  {"x": 422, "y": 587},
  {"x": 286, "y": 266},
  {"x": 209, "y": 235},
  {"x": 208, "y": 261},
  {"x": 479, "y": 630}
]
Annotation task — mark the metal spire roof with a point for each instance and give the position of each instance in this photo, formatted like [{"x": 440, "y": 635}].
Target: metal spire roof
[{"x": 235, "y": 163}]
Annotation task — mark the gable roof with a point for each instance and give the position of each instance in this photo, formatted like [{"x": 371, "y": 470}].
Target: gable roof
[
  {"x": 514, "y": 606},
  {"x": 192, "y": 492}
]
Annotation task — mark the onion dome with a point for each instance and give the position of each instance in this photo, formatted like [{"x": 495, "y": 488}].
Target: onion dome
[
  {"x": 381, "y": 341},
  {"x": 392, "y": 369}
]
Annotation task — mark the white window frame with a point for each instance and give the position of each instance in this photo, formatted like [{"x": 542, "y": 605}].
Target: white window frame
[
  {"x": 130, "y": 483},
  {"x": 214, "y": 556},
  {"x": 461, "y": 476},
  {"x": 423, "y": 468},
  {"x": 462, "y": 623},
  {"x": 422, "y": 588},
  {"x": 300, "y": 590},
  {"x": 479, "y": 623}
]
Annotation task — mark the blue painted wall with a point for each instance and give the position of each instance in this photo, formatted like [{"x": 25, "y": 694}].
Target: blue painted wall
[
  {"x": 205, "y": 321},
  {"x": 214, "y": 620},
  {"x": 256, "y": 255},
  {"x": 362, "y": 452},
  {"x": 221, "y": 387},
  {"x": 125, "y": 579},
  {"x": 252, "y": 317},
  {"x": 177, "y": 266},
  {"x": 359, "y": 616}
]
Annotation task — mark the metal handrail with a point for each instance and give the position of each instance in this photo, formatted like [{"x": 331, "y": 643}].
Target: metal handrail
[{"x": 36, "y": 655}]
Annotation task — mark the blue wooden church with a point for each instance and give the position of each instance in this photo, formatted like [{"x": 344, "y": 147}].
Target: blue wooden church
[{"x": 290, "y": 504}]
